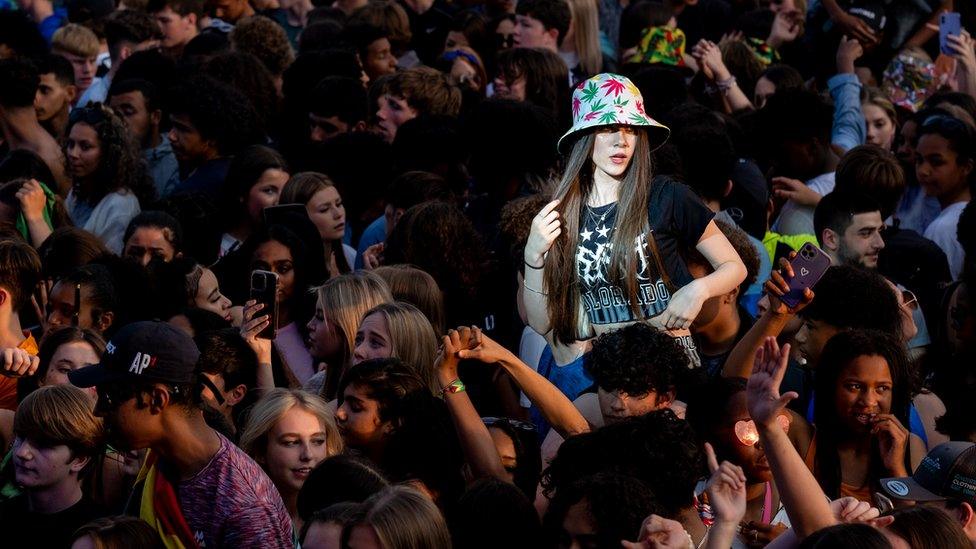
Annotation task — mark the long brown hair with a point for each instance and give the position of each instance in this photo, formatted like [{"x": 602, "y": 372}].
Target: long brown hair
[
  {"x": 300, "y": 189},
  {"x": 562, "y": 280}
]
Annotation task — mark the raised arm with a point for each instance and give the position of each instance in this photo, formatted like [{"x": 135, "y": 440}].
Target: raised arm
[
  {"x": 805, "y": 502},
  {"x": 554, "y": 405},
  {"x": 546, "y": 227},
  {"x": 476, "y": 443},
  {"x": 770, "y": 324},
  {"x": 849, "y": 130},
  {"x": 709, "y": 58}
]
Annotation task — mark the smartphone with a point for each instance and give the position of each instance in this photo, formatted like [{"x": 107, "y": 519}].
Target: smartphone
[
  {"x": 949, "y": 23},
  {"x": 275, "y": 214},
  {"x": 809, "y": 265},
  {"x": 264, "y": 289}
]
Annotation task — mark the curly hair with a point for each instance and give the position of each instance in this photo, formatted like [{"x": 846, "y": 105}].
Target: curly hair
[
  {"x": 636, "y": 360},
  {"x": 656, "y": 448},
  {"x": 437, "y": 237},
  {"x": 616, "y": 503},
  {"x": 120, "y": 165},
  {"x": 242, "y": 71},
  {"x": 218, "y": 112},
  {"x": 265, "y": 40}
]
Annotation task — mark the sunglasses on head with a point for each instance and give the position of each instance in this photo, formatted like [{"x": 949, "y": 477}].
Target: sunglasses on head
[
  {"x": 910, "y": 300},
  {"x": 748, "y": 435}
]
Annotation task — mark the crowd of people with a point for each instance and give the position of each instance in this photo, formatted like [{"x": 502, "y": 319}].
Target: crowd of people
[{"x": 424, "y": 274}]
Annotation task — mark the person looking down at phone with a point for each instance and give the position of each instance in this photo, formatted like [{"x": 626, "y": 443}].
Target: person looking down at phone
[
  {"x": 607, "y": 204},
  {"x": 848, "y": 226}
]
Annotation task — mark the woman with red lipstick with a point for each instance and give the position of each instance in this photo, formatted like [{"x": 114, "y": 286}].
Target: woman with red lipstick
[
  {"x": 863, "y": 387},
  {"x": 288, "y": 433},
  {"x": 321, "y": 199},
  {"x": 608, "y": 250},
  {"x": 108, "y": 180}
]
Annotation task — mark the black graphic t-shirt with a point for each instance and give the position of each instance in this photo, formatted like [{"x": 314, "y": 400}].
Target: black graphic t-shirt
[{"x": 677, "y": 218}]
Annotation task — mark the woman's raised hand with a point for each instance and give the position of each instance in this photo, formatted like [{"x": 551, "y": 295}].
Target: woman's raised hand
[
  {"x": 762, "y": 391},
  {"x": 32, "y": 200},
  {"x": 546, "y": 227},
  {"x": 447, "y": 361},
  {"x": 778, "y": 285},
  {"x": 252, "y": 326},
  {"x": 726, "y": 489},
  {"x": 892, "y": 442},
  {"x": 484, "y": 349}
]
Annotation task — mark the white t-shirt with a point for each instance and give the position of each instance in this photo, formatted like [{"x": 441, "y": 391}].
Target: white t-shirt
[
  {"x": 796, "y": 219},
  {"x": 942, "y": 231}
]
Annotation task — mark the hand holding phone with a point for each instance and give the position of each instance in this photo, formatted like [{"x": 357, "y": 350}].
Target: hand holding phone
[
  {"x": 264, "y": 290},
  {"x": 798, "y": 276},
  {"x": 950, "y": 23}
]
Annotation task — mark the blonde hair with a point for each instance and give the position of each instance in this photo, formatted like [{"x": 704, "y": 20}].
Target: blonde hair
[
  {"x": 345, "y": 299},
  {"x": 412, "y": 338},
  {"x": 76, "y": 40},
  {"x": 60, "y": 414},
  {"x": 586, "y": 35},
  {"x": 273, "y": 406},
  {"x": 876, "y": 97},
  {"x": 403, "y": 518},
  {"x": 416, "y": 287}
]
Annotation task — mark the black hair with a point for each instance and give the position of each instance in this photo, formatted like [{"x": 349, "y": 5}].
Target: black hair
[
  {"x": 132, "y": 26},
  {"x": 849, "y": 297},
  {"x": 156, "y": 219},
  {"x": 149, "y": 91},
  {"x": 840, "y": 351},
  {"x": 784, "y": 77},
  {"x": 209, "y": 42},
  {"x": 203, "y": 321},
  {"x": 319, "y": 35},
  {"x": 708, "y": 407},
  {"x": 182, "y": 7},
  {"x": 175, "y": 284},
  {"x": 636, "y": 360},
  {"x": 338, "y": 479},
  {"x": 707, "y": 156},
  {"x": 224, "y": 352},
  {"x": 639, "y": 16},
  {"x": 412, "y": 188},
  {"x": 528, "y": 456},
  {"x": 433, "y": 143},
  {"x": 837, "y": 209},
  {"x": 246, "y": 73},
  {"x": 359, "y": 35},
  {"x": 102, "y": 293},
  {"x": 545, "y": 79},
  {"x": 342, "y": 97},
  {"x": 245, "y": 170},
  {"x": 530, "y": 154},
  {"x": 966, "y": 234},
  {"x": 656, "y": 448},
  {"x": 309, "y": 68},
  {"x": 22, "y": 163},
  {"x": 663, "y": 89},
  {"x": 960, "y": 135},
  {"x": 958, "y": 99},
  {"x": 21, "y": 35},
  {"x": 197, "y": 216},
  {"x": 307, "y": 260},
  {"x": 339, "y": 513},
  {"x": 553, "y": 14},
  {"x": 218, "y": 112},
  {"x": 796, "y": 115},
  {"x": 924, "y": 527},
  {"x": 852, "y": 536},
  {"x": 20, "y": 81},
  {"x": 616, "y": 503},
  {"x": 152, "y": 66},
  {"x": 57, "y": 65},
  {"x": 493, "y": 513},
  {"x": 68, "y": 248},
  {"x": 387, "y": 381}
]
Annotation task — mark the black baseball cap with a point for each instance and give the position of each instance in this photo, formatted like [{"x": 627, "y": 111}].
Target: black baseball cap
[
  {"x": 947, "y": 472},
  {"x": 143, "y": 352}
]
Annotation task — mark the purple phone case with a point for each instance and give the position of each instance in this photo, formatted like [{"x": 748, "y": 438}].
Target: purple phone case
[
  {"x": 809, "y": 265},
  {"x": 949, "y": 23}
]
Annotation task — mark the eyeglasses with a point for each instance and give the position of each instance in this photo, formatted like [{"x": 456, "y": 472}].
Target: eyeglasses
[
  {"x": 910, "y": 300},
  {"x": 748, "y": 435}
]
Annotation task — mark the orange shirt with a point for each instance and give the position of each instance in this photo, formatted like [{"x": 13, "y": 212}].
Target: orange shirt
[
  {"x": 8, "y": 385},
  {"x": 862, "y": 493}
]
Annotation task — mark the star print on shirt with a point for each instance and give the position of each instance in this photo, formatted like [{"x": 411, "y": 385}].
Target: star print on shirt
[
  {"x": 586, "y": 235},
  {"x": 602, "y": 231}
]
